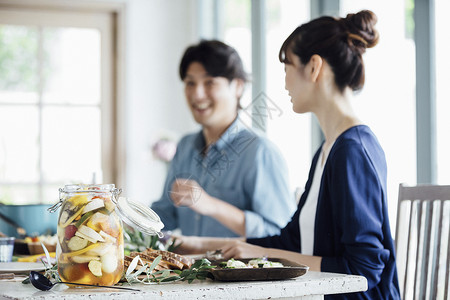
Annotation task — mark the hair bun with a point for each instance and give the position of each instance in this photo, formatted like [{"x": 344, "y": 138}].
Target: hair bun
[{"x": 361, "y": 30}]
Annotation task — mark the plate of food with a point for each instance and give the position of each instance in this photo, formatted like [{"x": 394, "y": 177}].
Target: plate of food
[{"x": 256, "y": 269}]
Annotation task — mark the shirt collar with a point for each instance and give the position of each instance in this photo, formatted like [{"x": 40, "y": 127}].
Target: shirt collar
[{"x": 226, "y": 138}]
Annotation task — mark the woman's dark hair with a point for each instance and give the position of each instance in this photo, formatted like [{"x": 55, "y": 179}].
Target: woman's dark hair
[
  {"x": 340, "y": 41},
  {"x": 218, "y": 59}
]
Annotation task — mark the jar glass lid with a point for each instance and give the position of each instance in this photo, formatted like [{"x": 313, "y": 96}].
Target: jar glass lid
[{"x": 140, "y": 217}]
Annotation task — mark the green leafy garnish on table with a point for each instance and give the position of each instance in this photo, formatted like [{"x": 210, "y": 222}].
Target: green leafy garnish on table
[
  {"x": 51, "y": 271},
  {"x": 138, "y": 241},
  {"x": 199, "y": 270}
]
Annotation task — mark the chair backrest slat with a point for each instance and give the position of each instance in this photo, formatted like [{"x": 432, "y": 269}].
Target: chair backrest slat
[
  {"x": 422, "y": 241},
  {"x": 444, "y": 278},
  {"x": 435, "y": 239}
]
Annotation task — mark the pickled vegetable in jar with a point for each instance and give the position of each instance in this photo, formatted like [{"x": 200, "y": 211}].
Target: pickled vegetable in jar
[{"x": 90, "y": 246}]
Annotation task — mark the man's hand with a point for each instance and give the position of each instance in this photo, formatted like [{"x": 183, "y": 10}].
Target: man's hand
[{"x": 186, "y": 192}]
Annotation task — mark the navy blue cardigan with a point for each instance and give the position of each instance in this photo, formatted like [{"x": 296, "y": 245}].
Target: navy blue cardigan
[{"x": 352, "y": 232}]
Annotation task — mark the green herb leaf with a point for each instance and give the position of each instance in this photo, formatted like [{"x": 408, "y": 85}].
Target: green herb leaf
[
  {"x": 198, "y": 271},
  {"x": 155, "y": 263}
]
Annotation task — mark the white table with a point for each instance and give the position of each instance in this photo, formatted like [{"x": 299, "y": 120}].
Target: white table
[{"x": 313, "y": 285}]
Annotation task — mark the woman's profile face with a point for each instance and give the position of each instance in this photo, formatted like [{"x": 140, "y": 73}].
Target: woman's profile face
[
  {"x": 212, "y": 100},
  {"x": 297, "y": 85}
]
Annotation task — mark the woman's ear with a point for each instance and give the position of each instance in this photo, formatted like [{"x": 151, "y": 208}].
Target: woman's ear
[{"x": 316, "y": 63}]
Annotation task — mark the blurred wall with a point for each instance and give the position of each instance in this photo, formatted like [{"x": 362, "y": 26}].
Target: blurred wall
[{"x": 157, "y": 32}]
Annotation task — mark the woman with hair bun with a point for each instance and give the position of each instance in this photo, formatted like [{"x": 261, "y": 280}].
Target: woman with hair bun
[{"x": 341, "y": 224}]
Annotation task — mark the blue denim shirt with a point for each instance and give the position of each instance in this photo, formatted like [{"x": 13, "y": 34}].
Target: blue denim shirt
[{"x": 241, "y": 168}]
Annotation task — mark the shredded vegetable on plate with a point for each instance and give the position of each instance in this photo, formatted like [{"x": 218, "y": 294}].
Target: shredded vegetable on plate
[{"x": 254, "y": 263}]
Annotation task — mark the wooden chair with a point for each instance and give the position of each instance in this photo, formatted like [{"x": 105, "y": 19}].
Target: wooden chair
[{"x": 422, "y": 241}]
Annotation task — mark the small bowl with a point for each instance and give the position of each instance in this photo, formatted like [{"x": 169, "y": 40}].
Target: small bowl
[
  {"x": 6, "y": 248},
  {"x": 36, "y": 248},
  {"x": 21, "y": 247}
]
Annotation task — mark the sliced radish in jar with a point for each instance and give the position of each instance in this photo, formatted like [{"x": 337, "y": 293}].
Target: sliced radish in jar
[
  {"x": 107, "y": 237},
  {"x": 100, "y": 250},
  {"x": 93, "y": 205},
  {"x": 91, "y": 233}
]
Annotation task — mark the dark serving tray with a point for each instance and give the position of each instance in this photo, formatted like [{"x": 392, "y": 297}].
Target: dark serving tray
[{"x": 289, "y": 270}]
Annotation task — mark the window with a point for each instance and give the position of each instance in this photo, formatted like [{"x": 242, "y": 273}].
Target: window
[
  {"x": 282, "y": 17},
  {"x": 387, "y": 101},
  {"x": 237, "y": 33},
  {"x": 386, "y": 104},
  {"x": 442, "y": 92},
  {"x": 56, "y": 102}
]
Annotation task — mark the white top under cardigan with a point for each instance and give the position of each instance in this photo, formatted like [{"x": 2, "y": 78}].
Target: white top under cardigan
[{"x": 307, "y": 215}]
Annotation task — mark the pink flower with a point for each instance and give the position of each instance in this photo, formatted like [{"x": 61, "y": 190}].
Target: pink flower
[{"x": 164, "y": 150}]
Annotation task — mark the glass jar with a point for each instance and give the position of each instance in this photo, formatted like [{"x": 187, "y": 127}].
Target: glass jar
[{"x": 90, "y": 247}]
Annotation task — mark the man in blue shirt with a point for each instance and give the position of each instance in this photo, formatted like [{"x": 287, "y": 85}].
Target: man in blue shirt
[{"x": 226, "y": 180}]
